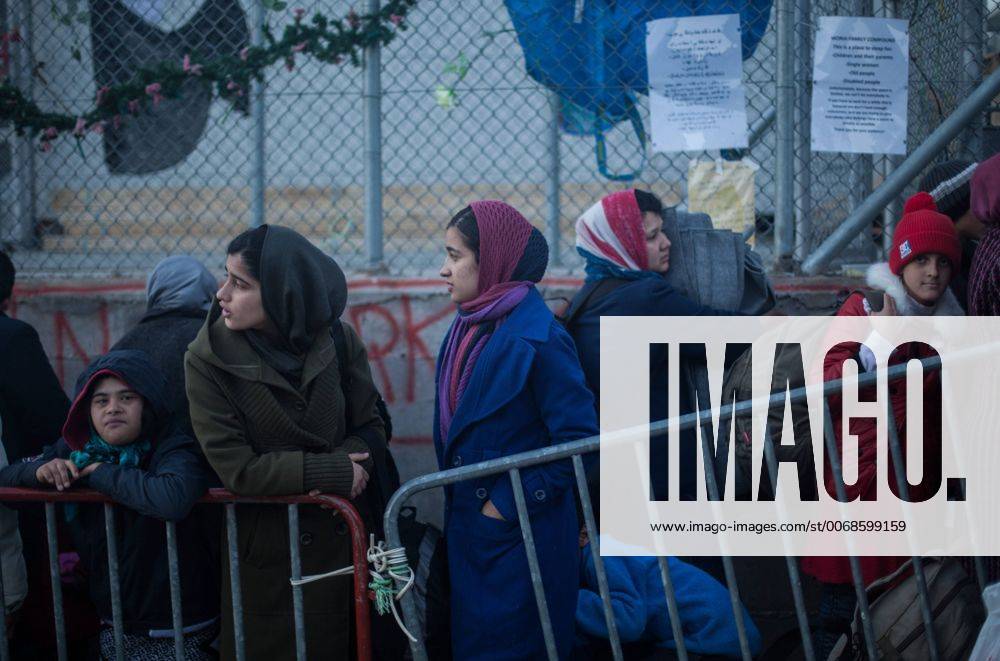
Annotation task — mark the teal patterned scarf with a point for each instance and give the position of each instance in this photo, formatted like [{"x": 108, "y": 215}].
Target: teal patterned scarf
[{"x": 98, "y": 450}]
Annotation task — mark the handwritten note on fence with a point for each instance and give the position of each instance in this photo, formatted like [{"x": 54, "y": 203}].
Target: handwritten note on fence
[{"x": 696, "y": 98}]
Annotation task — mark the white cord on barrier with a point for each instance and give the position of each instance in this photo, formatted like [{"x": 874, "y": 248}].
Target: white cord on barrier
[{"x": 388, "y": 569}]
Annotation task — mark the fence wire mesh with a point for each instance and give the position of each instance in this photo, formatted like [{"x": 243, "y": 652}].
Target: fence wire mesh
[{"x": 461, "y": 119}]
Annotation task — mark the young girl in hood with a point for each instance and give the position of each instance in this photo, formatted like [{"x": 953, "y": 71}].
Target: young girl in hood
[
  {"x": 118, "y": 440},
  {"x": 508, "y": 381},
  {"x": 925, "y": 253},
  {"x": 270, "y": 411}
]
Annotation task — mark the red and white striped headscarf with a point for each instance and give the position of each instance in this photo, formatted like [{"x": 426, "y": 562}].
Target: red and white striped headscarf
[{"x": 612, "y": 229}]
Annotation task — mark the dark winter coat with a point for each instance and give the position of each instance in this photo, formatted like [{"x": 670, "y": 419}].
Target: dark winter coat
[
  {"x": 837, "y": 569},
  {"x": 646, "y": 297},
  {"x": 32, "y": 403},
  {"x": 264, "y": 437},
  {"x": 179, "y": 293},
  {"x": 526, "y": 392},
  {"x": 164, "y": 336},
  {"x": 166, "y": 485}
]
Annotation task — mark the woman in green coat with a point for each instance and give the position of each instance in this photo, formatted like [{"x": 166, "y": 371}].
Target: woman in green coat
[{"x": 268, "y": 408}]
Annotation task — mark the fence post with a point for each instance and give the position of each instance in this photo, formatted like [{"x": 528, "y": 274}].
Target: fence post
[
  {"x": 552, "y": 181},
  {"x": 784, "y": 224},
  {"x": 972, "y": 31},
  {"x": 19, "y": 231},
  {"x": 803, "y": 119},
  {"x": 372, "y": 98},
  {"x": 257, "y": 113},
  {"x": 894, "y": 209}
]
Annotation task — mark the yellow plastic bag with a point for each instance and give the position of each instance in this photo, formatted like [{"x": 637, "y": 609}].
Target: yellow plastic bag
[{"x": 725, "y": 191}]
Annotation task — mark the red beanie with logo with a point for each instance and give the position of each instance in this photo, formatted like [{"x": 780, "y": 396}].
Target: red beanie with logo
[{"x": 921, "y": 230}]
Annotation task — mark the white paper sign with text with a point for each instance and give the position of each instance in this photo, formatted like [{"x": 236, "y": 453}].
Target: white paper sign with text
[
  {"x": 696, "y": 98},
  {"x": 860, "y": 85}
]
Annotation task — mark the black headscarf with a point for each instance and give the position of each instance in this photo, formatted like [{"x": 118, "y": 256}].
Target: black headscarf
[{"x": 303, "y": 292}]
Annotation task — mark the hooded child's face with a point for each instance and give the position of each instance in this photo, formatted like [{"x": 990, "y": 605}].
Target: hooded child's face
[
  {"x": 116, "y": 411},
  {"x": 240, "y": 298},
  {"x": 927, "y": 277}
]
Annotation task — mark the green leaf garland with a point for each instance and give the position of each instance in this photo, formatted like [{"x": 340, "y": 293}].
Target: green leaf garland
[{"x": 332, "y": 41}]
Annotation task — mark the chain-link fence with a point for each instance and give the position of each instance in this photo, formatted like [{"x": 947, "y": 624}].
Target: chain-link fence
[{"x": 448, "y": 116}]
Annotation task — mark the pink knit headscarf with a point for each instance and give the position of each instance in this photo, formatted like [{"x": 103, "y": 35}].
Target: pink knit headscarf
[{"x": 503, "y": 234}]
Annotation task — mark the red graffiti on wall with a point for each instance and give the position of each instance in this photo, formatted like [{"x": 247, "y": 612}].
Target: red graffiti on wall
[
  {"x": 63, "y": 331},
  {"x": 409, "y": 330},
  {"x": 387, "y": 329}
]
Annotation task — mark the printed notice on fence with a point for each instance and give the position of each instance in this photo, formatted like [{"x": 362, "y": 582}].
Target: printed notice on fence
[
  {"x": 859, "y": 85},
  {"x": 696, "y": 98}
]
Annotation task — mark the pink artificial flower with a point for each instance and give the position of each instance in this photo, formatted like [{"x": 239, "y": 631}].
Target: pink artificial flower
[
  {"x": 298, "y": 48},
  {"x": 133, "y": 106},
  {"x": 116, "y": 122},
  {"x": 101, "y": 93},
  {"x": 153, "y": 90},
  {"x": 81, "y": 126},
  {"x": 51, "y": 133},
  {"x": 244, "y": 54},
  {"x": 396, "y": 19},
  {"x": 193, "y": 69},
  {"x": 235, "y": 87},
  {"x": 299, "y": 13},
  {"x": 46, "y": 146},
  {"x": 352, "y": 19},
  {"x": 97, "y": 127},
  {"x": 290, "y": 63}
]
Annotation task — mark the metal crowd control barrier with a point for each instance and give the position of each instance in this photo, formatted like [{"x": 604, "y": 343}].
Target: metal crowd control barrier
[
  {"x": 359, "y": 552},
  {"x": 574, "y": 451}
]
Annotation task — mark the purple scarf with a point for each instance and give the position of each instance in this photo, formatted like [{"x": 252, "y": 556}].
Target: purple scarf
[{"x": 503, "y": 235}]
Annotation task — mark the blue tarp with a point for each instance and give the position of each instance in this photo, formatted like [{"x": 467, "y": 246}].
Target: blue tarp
[{"x": 598, "y": 62}]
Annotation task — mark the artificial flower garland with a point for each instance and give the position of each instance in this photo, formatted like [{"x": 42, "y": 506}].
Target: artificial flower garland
[{"x": 330, "y": 41}]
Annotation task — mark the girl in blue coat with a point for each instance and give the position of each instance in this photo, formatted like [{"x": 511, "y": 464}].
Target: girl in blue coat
[{"x": 508, "y": 381}]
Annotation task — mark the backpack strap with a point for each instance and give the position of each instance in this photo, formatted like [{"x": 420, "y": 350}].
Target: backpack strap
[{"x": 591, "y": 292}]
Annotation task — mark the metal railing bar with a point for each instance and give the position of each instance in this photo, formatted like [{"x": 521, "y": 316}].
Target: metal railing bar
[
  {"x": 595, "y": 552},
  {"x": 841, "y": 490},
  {"x": 297, "y": 605},
  {"x": 114, "y": 580},
  {"x": 791, "y": 562},
  {"x": 234, "y": 583},
  {"x": 4, "y": 647},
  {"x": 533, "y": 567},
  {"x": 672, "y": 610},
  {"x": 699, "y": 388},
  {"x": 173, "y": 568},
  {"x": 899, "y": 468},
  {"x": 57, "y": 600}
]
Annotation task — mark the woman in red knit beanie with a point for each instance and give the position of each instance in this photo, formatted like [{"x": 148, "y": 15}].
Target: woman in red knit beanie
[{"x": 925, "y": 252}]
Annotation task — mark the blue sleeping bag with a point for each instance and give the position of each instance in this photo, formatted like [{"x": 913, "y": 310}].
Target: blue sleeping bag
[{"x": 640, "y": 607}]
